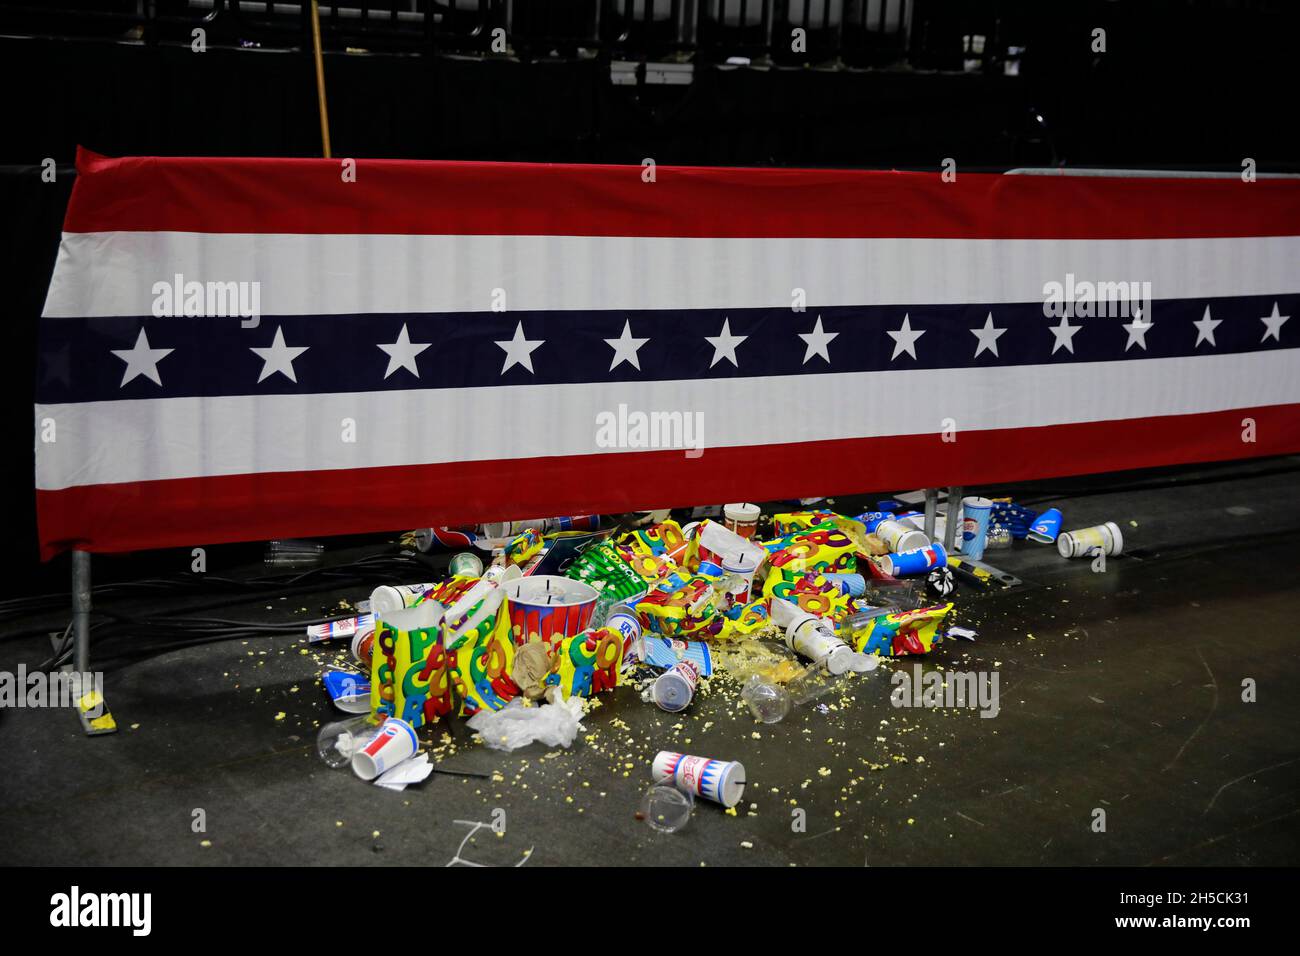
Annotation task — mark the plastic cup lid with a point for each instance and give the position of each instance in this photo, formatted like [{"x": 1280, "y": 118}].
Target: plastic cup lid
[
  {"x": 863, "y": 663},
  {"x": 840, "y": 660},
  {"x": 672, "y": 692},
  {"x": 741, "y": 511},
  {"x": 732, "y": 785}
]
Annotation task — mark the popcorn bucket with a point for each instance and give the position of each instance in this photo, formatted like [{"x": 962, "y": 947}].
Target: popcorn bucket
[{"x": 548, "y": 607}]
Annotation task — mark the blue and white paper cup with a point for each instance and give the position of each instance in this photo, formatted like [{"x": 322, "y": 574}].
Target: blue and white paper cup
[
  {"x": 722, "y": 781},
  {"x": 1046, "y": 529},
  {"x": 623, "y": 619},
  {"x": 854, "y": 585},
  {"x": 975, "y": 525},
  {"x": 871, "y": 519},
  {"x": 674, "y": 689},
  {"x": 916, "y": 561}
]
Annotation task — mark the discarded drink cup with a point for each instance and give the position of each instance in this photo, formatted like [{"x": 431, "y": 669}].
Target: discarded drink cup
[
  {"x": 812, "y": 682},
  {"x": 1047, "y": 527},
  {"x": 741, "y": 518},
  {"x": 1086, "y": 541},
  {"x": 976, "y": 513},
  {"x": 395, "y": 597},
  {"x": 623, "y": 618},
  {"x": 675, "y": 688},
  {"x": 392, "y": 743},
  {"x": 466, "y": 565},
  {"x": 363, "y": 647},
  {"x": 767, "y": 700},
  {"x": 665, "y": 808},
  {"x": 337, "y": 742},
  {"x": 815, "y": 639},
  {"x": 722, "y": 781},
  {"x": 293, "y": 553},
  {"x": 917, "y": 561},
  {"x": 854, "y": 585},
  {"x": 900, "y": 536}
]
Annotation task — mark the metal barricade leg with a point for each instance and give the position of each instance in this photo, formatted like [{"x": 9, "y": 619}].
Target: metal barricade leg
[
  {"x": 931, "y": 510},
  {"x": 89, "y": 703},
  {"x": 950, "y": 521}
]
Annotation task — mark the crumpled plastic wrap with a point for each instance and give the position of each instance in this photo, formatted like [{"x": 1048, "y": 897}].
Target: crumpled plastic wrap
[{"x": 517, "y": 725}]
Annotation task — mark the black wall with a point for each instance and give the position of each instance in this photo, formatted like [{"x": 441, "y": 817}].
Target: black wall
[{"x": 1181, "y": 85}]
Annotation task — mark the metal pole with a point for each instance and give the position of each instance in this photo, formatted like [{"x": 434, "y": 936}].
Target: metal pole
[
  {"x": 81, "y": 612},
  {"x": 320, "y": 79},
  {"x": 950, "y": 522},
  {"x": 931, "y": 509}
]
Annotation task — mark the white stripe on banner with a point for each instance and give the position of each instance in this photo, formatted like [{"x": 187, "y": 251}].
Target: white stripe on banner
[
  {"x": 114, "y": 273},
  {"x": 108, "y": 442}
]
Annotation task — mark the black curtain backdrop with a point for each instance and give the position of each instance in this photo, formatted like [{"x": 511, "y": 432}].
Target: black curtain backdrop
[{"x": 1180, "y": 86}]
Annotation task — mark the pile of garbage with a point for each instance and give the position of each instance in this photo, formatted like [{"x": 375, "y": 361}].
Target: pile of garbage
[{"x": 569, "y": 608}]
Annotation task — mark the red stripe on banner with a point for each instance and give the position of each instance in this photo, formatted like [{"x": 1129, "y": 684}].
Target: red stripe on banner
[
  {"x": 195, "y": 511},
  {"x": 141, "y": 194}
]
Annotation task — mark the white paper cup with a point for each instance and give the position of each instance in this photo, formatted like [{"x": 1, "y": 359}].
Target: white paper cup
[
  {"x": 1081, "y": 543},
  {"x": 785, "y": 613},
  {"x": 394, "y": 597},
  {"x": 395, "y": 742},
  {"x": 900, "y": 536},
  {"x": 722, "y": 781},
  {"x": 814, "y": 639}
]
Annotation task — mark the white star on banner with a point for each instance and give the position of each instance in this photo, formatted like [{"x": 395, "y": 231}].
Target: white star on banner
[
  {"x": 278, "y": 357},
  {"x": 988, "y": 337},
  {"x": 402, "y": 353},
  {"x": 904, "y": 338},
  {"x": 1137, "y": 331},
  {"x": 816, "y": 342},
  {"x": 519, "y": 350},
  {"x": 1064, "y": 335},
  {"x": 625, "y": 348},
  {"x": 724, "y": 344},
  {"x": 1205, "y": 329},
  {"x": 141, "y": 360},
  {"x": 1273, "y": 325}
]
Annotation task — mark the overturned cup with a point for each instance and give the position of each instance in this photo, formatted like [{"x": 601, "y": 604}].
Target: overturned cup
[
  {"x": 1045, "y": 529},
  {"x": 1105, "y": 538},
  {"x": 394, "y": 742},
  {"x": 722, "y": 781}
]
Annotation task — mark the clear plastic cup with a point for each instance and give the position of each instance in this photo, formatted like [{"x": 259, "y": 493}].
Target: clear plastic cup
[
  {"x": 337, "y": 742},
  {"x": 812, "y": 682},
  {"x": 665, "y": 808},
  {"x": 768, "y": 701}
]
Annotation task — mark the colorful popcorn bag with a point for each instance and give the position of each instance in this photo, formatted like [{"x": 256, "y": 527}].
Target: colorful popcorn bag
[
  {"x": 409, "y": 673},
  {"x": 902, "y": 632},
  {"x": 588, "y": 663}
]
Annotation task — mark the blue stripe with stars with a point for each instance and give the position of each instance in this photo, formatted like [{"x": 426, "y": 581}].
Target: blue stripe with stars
[{"x": 86, "y": 360}]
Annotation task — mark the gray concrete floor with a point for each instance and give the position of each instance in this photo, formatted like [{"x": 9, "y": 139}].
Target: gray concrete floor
[{"x": 1120, "y": 691}]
